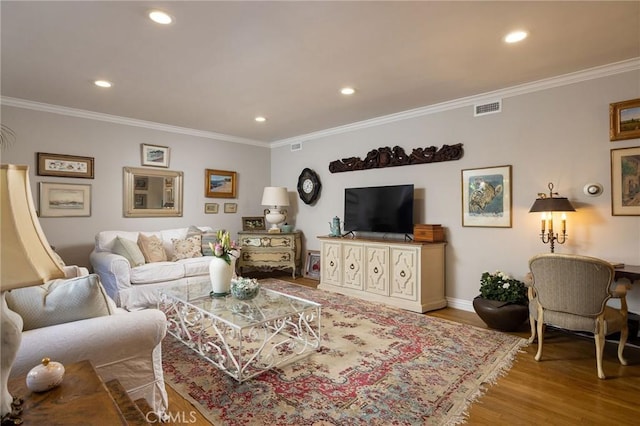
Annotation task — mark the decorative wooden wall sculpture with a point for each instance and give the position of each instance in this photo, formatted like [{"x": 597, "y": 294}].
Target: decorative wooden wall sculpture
[{"x": 388, "y": 157}]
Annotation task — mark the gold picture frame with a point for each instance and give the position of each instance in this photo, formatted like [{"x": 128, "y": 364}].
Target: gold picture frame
[
  {"x": 61, "y": 165},
  {"x": 624, "y": 120},
  {"x": 625, "y": 172},
  {"x": 219, "y": 183}
]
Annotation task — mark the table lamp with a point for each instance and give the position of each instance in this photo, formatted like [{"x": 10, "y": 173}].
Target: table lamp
[
  {"x": 276, "y": 197},
  {"x": 26, "y": 259}
]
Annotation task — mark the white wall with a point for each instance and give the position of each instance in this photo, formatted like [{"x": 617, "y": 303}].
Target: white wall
[
  {"x": 114, "y": 146},
  {"x": 558, "y": 135}
]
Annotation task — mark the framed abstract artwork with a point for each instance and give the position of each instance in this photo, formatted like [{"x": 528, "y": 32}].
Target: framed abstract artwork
[
  {"x": 625, "y": 182},
  {"x": 486, "y": 197}
]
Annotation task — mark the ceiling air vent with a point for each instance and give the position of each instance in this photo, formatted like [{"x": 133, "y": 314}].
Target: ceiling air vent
[
  {"x": 488, "y": 108},
  {"x": 296, "y": 146}
]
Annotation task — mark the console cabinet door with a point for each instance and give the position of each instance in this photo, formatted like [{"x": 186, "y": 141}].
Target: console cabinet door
[
  {"x": 377, "y": 270},
  {"x": 404, "y": 273},
  {"x": 331, "y": 263},
  {"x": 352, "y": 265}
]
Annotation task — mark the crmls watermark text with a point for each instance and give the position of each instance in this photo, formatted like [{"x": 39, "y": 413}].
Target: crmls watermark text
[{"x": 179, "y": 417}]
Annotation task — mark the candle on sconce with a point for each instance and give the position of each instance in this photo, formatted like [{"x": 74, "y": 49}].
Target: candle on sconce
[
  {"x": 544, "y": 220},
  {"x": 564, "y": 222},
  {"x": 550, "y": 222}
]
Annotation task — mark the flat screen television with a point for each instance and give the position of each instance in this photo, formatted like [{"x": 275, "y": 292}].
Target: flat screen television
[{"x": 379, "y": 209}]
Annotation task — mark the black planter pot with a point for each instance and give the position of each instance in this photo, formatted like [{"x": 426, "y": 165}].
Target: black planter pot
[{"x": 503, "y": 316}]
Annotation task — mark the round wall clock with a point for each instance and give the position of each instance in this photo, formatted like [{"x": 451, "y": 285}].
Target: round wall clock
[{"x": 308, "y": 186}]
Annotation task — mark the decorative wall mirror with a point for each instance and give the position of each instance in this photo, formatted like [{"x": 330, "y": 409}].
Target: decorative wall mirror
[{"x": 152, "y": 192}]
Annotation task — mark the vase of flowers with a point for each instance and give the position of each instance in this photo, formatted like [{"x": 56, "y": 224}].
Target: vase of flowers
[
  {"x": 222, "y": 264},
  {"x": 502, "y": 303}
]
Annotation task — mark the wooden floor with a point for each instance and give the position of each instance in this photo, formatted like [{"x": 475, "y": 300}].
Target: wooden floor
[{"x": 562, "y": 389}]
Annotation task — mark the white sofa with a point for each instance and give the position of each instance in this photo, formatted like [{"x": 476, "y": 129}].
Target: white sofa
[
  {"x": 71, "y": 320},
  {"x": 135, "y": 287}
]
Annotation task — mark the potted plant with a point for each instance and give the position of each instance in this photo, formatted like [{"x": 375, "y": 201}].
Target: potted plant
[{"x": 502, "y": 303}]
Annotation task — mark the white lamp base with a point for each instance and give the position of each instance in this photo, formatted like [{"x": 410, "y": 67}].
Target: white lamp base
[{"x": 275, "y": 217}]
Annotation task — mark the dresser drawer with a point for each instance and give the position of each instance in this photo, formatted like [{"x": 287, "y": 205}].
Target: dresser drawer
[{"x": 267, "y": 241}]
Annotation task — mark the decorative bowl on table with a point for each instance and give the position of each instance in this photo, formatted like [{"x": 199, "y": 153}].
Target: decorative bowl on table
[{"x": 244, "y": 288}]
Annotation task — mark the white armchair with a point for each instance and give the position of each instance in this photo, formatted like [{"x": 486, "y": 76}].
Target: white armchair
[{"x": 73, "y": 319}]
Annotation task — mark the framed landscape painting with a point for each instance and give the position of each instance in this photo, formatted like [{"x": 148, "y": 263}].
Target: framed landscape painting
[
  {"x": 625, "y": 182},
  {"x": 486, "y": 197},
  {"x": 219, "y": 184},
  {"x": 624, "y": 120},
  {"x": 155, "y": 155},
  {"x": 64, "y": 200},
  {"x": 65, "y": 165}
]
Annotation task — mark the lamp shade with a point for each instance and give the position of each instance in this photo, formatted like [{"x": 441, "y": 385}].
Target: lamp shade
[
  {"x": 552, "y": 204},
  {"x": 26, "y": 258},
  {"x": 275, "y": 196}
]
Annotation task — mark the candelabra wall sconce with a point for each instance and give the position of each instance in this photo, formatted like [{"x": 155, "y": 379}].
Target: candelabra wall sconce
[{"x": 548, "y": 205}]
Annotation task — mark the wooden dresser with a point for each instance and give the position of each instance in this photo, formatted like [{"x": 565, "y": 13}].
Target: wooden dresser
[{"x": 264, "y": 250}]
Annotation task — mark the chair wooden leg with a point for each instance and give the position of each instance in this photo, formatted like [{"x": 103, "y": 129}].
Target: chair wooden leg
[
  {"x": 599, "y": 338},
  {"x": 540, "y": 333},
  {"x": 624, "y": 335},
  {"x": 532, "y": 322}
]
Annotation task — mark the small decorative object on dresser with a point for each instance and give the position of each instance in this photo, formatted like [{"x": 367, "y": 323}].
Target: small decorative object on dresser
[{"x": 45, "y": 376}]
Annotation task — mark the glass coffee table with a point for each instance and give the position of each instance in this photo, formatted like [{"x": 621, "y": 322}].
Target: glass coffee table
[{"x": 243, "y": 338}]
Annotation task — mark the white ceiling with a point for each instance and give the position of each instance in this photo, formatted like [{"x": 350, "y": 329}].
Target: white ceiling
[{"x": 220, "y": 64}]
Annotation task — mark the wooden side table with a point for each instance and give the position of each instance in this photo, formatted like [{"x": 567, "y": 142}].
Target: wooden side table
[
  {"x": 81, "y": 399},
  {"x": 262, "y": 249}
]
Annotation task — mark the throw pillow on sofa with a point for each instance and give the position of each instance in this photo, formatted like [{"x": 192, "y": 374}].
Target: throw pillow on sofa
[
  {"x": 187, "y": 248},
  {"x": 152, "y": 248},
  {"x": 60, "y": 301},
  {"x": 130, "y": 250}
]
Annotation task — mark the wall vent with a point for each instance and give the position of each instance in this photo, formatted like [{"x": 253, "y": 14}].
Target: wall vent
[
  {"x": 296, "y": 146},
  {"x": 487, "y": 108}
]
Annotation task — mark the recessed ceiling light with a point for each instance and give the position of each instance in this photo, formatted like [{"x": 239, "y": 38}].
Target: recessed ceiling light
[
  {"x": 261, "y": 119},
  {"x": 160, "y": 17},
  {"x": 347, "y": 91},
  {"x": 103, "y": 83},
  {"x": 515, "y": 36}
]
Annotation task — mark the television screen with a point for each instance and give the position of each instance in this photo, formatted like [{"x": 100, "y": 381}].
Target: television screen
[{"x": 379, "y": 209}]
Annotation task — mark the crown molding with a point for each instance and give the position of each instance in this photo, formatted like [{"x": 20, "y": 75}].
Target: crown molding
[
  {"x": 90, "y": 115},
  {"x": 536, "y": 86}
]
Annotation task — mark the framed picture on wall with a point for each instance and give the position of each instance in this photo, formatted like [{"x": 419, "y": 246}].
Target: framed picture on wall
[
  {"x": 312, "y": 265},
  {"x": 211, "y": 208},
  {"x": 625, "y": 182},
  {"x": 155, "y": 155},
  {"x": 219, "y": 184},
  {"x": 64, "y": 165},
  {"x": 486, "y": 197},
  {"x": 230, "y": 207},
  {"x": 64, "y": 200},
  {"x": 624, "y": 120}
]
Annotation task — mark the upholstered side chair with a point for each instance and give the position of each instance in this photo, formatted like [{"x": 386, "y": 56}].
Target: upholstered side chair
[{"x": 571, "y": 292}]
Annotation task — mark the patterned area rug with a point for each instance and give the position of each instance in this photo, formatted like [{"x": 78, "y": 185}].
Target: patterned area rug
[{"x": 377, "y": 366}]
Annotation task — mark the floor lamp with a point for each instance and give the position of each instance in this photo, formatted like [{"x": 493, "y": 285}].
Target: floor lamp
[{"x": 26, "y": 259}]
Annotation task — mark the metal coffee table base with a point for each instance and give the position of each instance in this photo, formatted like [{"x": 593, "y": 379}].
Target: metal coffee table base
[{"x": 243, "y": 352}]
